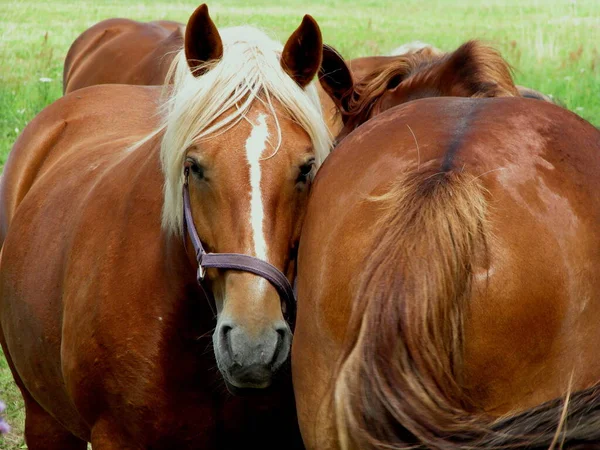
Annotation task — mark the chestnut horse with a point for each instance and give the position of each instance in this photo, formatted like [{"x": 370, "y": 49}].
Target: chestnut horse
[
  {"x": 448, "y": 288},
  {"x": 418, "y": 54},
  {"x": 131, "y": 52},
  {"x": 473, "y": 70},
  {"x": 104, "y": 324},
  {"x": 418, "y": 46},
  {"x": 122, "y": 51}
]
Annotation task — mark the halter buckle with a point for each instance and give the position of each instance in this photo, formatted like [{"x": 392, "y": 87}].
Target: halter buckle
[{"x": 201, "y": 273}]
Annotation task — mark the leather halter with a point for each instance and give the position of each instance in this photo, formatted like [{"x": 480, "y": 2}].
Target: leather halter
[{"x": 236, "y": 261}]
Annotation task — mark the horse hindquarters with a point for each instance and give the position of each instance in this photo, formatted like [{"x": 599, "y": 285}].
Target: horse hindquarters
[{"x": 469, "y": 318}]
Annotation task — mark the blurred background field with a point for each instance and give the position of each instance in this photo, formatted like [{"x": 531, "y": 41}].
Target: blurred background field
[{"x": 551, "y": 44}]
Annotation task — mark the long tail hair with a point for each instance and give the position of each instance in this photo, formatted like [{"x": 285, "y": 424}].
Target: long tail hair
[{"x": 400, "y": 384}]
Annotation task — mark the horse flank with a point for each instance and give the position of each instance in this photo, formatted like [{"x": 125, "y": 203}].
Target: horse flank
[
  {"x": 249, "y": 71},
  {"x": 400, "y": 383}
]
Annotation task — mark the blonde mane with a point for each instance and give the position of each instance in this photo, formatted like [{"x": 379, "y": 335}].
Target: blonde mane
[{"x": 249, "y": 71}]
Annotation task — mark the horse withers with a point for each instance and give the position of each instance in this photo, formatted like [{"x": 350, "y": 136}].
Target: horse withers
[
  {"x": 104, "y": 199},
  {"x": 448, "y": 288}
]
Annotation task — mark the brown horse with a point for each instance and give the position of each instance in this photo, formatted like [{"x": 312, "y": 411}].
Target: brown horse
[
  {"x": 418, "y": 46},
  {"x": 125, "y": 51},
  {"x": 122, "y": 51},
  {"x": 448, "y": 286},
  {"x": 104, "y": 325},
  {"x": 422, "y": 60},
  {"x": 473, "y": 70}
]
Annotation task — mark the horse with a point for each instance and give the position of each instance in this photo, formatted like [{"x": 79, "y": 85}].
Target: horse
[
  {"x": 122, "y": 51},
  {"x": 148, "y": 243},
  {"x": 448, "y": 288},
  {"x": 371, "y": 65},
  {"x": 472, "y": 70},
  {"x": 126, "y": 51}
]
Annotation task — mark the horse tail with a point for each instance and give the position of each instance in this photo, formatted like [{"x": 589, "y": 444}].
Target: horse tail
[{"x": 399, "y": 381}]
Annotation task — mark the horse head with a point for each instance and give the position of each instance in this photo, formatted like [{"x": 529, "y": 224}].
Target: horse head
[{"x": 244, "y": 132}]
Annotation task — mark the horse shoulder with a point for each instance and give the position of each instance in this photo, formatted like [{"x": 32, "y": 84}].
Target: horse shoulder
[{"x": 81, "y": 118}]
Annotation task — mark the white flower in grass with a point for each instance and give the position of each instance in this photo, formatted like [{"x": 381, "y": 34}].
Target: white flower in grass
[
  {"x": 45, "y": 80},
  {"x": 579, "y": 108}
]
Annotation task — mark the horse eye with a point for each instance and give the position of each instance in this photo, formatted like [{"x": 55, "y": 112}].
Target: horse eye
[
  {"x": 195, "y": 167},
  {"x": 305, "y": 170}
]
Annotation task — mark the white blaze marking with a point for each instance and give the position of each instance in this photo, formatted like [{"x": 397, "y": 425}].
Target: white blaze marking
[{"x": 255, "y": 145}]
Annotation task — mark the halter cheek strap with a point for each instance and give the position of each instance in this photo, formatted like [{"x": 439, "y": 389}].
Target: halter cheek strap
[{"x": 236, "y": 261}]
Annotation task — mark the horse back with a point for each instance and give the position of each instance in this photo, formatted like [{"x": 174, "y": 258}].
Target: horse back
[{"x": 122, "y": 51}]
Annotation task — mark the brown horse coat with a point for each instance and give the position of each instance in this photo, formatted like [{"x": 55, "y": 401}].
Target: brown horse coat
[
  {"x": 122, "y": 51},
  {"x": 445, "y": 313},
  {"x": 378, "y": 83}
]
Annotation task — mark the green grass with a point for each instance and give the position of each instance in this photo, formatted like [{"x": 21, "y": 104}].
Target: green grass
[{"x": 552, "y": 45}]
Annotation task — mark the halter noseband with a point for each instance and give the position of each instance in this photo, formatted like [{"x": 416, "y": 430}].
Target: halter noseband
[{"x": 236, "y": 261}]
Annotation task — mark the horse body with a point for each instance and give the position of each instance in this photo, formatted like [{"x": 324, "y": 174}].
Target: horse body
[
  {"x": 122, "y": 51},
  {"x": 445, "y": 310},
  {"x": 104, "y": 324},
  {"x": 77, "y": 360},
  {"x": 114, "y": 336}
]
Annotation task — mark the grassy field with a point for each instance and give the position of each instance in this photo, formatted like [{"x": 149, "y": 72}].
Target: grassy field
[{"x": 552, "y": 45}]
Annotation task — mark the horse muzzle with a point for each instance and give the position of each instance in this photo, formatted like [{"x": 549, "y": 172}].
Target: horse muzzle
[{"x": 250, "y": 361}]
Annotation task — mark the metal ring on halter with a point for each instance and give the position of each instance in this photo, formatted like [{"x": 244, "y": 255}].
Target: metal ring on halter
[{"x": 201, "y": 273}]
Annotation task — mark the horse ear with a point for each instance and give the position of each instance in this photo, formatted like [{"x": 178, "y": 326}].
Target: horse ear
[
  {"x": 303, "y": 51},
  {"x": 202, "y": 40},
  {"x": 335, "y": 77},
  {"x": 476, "y": 70}
]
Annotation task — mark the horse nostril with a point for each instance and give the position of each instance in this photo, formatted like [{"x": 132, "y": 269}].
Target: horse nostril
[
  {"x": 225, "y": 329},
  {"x": 282, "y": 335},
  {"x": 225, "y": 339}
]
